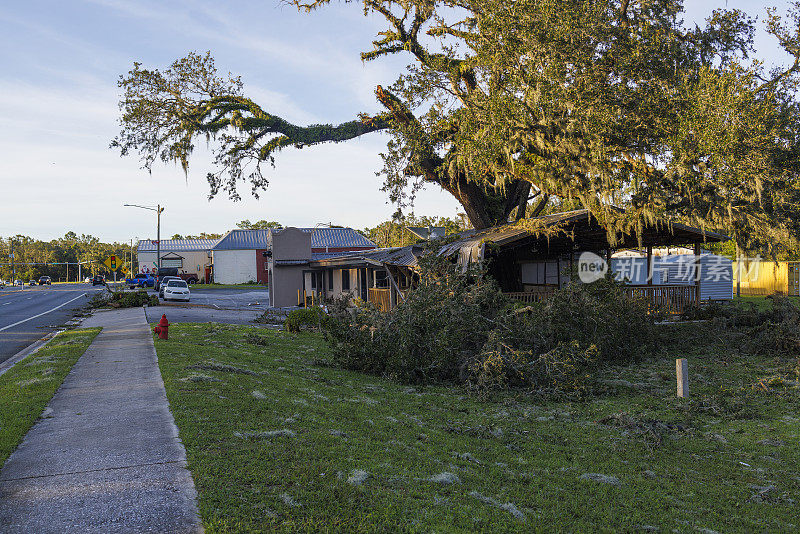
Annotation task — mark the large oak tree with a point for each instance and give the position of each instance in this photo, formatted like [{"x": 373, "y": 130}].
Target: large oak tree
[{"x": 512, "y": 105}]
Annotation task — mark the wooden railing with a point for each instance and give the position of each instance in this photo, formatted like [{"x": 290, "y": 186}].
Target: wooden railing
[
  {"x": 380, "y": 296},
  {"x": 670, "y": 298},
  {"x": 535, "y": 294}
]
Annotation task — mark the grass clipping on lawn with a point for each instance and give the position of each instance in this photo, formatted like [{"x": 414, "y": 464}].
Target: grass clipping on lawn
[
  {"x": 280, "y": 440},
  {"x": 26, "y": 388}
]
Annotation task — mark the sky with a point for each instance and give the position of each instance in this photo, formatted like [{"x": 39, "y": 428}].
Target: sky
[{"x": 59, "y": 66}]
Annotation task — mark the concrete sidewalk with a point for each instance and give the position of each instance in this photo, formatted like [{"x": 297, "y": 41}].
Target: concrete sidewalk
[{"x": 107, "y": 458}]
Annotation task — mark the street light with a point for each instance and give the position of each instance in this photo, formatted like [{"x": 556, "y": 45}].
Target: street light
[{"x": 158, "y": 209}]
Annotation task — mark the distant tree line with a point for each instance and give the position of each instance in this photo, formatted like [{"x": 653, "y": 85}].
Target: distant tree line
[
  {"x": 395, "y": 233},
  {"x": 72, "y": 249}
]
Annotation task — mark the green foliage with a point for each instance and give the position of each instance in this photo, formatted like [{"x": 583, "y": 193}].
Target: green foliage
[
  {"x": 304, "y": 319},
  {"x": 123, "y": 299},
  {"x": 567, "y": 368},
  {"x": 458, "y": 327},
  {"x": 393, "y": 233},
  {"x": 71, "y": 248},
  {"x": 258, "y": 225},
  {"x": 506, "y": 101}
]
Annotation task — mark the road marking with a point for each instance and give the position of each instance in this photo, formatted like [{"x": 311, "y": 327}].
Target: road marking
[{"x": 43, "y": 313}]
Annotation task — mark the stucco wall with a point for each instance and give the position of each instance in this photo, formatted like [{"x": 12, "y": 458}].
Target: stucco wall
[
  {"x": 284, "y": 283},
  {"x": 290, "y": 244},
  {"x": 234, "y": 266}
]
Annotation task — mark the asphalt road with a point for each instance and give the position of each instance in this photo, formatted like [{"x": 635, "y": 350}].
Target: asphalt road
[
  {"x": 27, "y": 314},
  {"x": 231, "y": 299}
]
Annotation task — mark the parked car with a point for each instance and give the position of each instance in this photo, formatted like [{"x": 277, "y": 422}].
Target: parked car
[
  {"x": 163, "y": 281},
  {"x": 32, "y": 283},
  {"x": 19, "y": 282},
  {"x": 99, "y": 280},
  {"x": 140, "y": 280},
  {"x": 177, "y": 290},
  {"x": 45, "y": 281},
  {"x": 2, "y": 283},
  {"x": 87, "y": 280}
]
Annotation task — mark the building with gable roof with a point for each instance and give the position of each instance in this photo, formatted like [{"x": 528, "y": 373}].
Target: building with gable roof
[
  {"x": 242, "y": 256},
  {"x": 191, "y": 256}
]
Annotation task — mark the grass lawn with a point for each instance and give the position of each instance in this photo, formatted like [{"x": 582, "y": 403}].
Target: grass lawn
[
  {"x": 277, "y": 440},
  {"x": 26, "y": 388},
  {"x": 760, "y": 302}
]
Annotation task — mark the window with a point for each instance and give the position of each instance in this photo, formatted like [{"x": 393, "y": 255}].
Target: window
[
  {"x": 330, "y": 279},
  {"x": 345, "y": 280},
  {"x": 313, "y": 280},
  {"x": 381, "y": 279},
  {"x": 176, "y": 283}
]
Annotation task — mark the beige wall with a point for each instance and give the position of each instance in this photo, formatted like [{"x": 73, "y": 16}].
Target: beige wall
[
  {"x": 190, "y": 261},
  {"x": 290, "y": 244},
  {"x": 284, "y": 283}
]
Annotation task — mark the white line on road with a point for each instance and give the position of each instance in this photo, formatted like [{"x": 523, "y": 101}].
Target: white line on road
[{"x": 43, "y": 313}]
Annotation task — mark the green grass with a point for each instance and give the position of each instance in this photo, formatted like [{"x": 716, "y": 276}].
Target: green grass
[
  {"x": 761, "y": 302},
  {"x": 683, "y": 465},
  {"x": 26, "y": 388}
]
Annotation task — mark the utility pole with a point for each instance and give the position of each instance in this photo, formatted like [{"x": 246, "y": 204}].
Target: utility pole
[
  {"x": 158, "y": 237},
  {"x": 158, "y": 209},
  {"x": 13, "y": 271}
]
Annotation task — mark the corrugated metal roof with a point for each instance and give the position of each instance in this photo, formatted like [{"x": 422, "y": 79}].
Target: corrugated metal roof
[
  {"x": 177, "y": 245},
  {"x": 320, "y": 238},
  {"x": 398, "y": 256},
  {"x": 243, "y": 240},
  {"x": 337, "y": 238}
]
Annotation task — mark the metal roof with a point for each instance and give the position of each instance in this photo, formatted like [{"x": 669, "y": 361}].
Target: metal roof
[
  {"x": 320, "y": 238},
  {"x": 177, "y": 245},
  {"x": 399, "y": 256},
  {"x": 337, "y": 238},
  {"x": 243, "y": 240}
]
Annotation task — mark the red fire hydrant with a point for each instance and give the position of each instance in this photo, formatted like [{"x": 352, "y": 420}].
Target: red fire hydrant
[{"x": 163, "y": 328}]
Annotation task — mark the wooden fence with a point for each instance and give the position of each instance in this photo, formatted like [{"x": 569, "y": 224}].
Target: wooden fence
[
  {"x": 380, "y": 296},
  {"x": 670, "y": 298}
]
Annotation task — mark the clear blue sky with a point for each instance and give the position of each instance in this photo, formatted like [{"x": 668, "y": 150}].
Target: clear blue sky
[{"x": 58, "y": 113}]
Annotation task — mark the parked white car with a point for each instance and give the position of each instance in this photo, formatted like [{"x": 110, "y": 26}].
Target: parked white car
[{"x": 177, "y": 290}]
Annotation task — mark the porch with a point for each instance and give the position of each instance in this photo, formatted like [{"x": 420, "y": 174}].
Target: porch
[{"x": 673, "y": 299}]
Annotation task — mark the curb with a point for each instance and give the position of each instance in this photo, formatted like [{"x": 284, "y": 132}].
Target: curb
[{"x": 28, "y": 351}]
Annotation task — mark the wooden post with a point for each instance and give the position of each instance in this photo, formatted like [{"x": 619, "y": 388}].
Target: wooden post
[
  {"x": 649, "y": 265},
  {"x": 682, "y": 372},
  {"x": 697, "y": 274},
  {"x": 558, "y": 269},
  {"x": 738, "y": 271}
]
